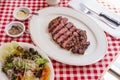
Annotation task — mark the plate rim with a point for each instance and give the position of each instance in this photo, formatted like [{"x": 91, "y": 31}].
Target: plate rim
[{"x": 74, "y": 11}]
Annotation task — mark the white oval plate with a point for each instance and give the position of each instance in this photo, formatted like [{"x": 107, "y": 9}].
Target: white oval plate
[
  {"x": 42, "y": 38},
  {"x": 27, "y": 46}
]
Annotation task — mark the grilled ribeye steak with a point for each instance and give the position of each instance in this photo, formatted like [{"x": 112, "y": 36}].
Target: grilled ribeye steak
[{"x": 67, "y": 36}]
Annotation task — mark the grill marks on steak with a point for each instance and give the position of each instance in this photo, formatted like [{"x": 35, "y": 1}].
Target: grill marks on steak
[
  {"x": 54, "y": 23},
  {"x": 68, "y": 36}
]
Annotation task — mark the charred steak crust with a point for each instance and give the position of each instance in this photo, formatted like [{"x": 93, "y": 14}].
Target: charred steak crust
[{"x": 67, "y": 36}]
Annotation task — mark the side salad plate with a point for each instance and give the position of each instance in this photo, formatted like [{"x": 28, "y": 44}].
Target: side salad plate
[{"x": 24, "y": 61}]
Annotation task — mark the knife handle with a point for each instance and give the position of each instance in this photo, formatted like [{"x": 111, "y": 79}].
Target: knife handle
[{"x": 110, "y": 19}]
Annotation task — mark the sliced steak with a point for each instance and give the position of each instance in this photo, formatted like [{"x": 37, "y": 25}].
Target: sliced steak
[{"x": 67, "y": 36}]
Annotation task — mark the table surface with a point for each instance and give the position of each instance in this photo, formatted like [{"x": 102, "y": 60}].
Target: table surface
[{"x": 62, "y": 71}]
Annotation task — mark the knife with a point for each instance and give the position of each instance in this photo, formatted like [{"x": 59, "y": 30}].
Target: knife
[{"x": 101, "y": 11}]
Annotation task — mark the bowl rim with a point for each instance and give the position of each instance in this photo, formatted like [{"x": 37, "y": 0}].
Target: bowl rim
[
  {"x": 18, "y": 9},
  {"x": 10, "y": 25}
]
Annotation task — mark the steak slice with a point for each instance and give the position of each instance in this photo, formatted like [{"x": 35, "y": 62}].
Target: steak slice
[
  {"x": 54, "y": 23},
  {"x": 60, "y": 32},
  {"x": 59, "y": 26}
]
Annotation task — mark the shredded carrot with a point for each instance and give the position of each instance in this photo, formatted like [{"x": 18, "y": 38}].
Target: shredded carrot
[
  {"x": 45, "y": 73},
  {"x": 16, "y": 78},
  {"x": 21, "y": 77}
]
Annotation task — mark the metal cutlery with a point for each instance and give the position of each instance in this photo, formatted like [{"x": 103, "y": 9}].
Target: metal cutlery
[{"x": 102, "y": 17}]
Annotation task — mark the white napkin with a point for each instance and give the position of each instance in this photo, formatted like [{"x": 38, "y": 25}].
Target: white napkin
[{"x": 113, "y": 32}]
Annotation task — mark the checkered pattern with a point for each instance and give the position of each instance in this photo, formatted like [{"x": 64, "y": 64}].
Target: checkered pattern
[
  {"x": 62, "y": 71},
  {"x": 110, "y": 6}
]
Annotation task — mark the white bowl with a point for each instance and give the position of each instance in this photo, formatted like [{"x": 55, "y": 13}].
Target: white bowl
[
  {"x": 22, "y": 13},
  {"x": 16, "y": 24}
]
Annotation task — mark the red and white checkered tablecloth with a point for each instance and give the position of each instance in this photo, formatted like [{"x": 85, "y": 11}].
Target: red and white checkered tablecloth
[{"x": 62, "y": 71}]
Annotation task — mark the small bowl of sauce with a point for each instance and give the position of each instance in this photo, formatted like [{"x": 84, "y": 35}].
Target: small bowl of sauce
[
  {"x": 22, "y": 13},
  {"x": 15, "y": 29}
]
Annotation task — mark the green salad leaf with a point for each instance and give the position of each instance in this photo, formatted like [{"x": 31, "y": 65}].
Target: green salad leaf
[{"x": 40, "y": 60}]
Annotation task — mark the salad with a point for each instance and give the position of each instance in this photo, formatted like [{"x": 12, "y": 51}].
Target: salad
[{"x": 19, "y": 63}]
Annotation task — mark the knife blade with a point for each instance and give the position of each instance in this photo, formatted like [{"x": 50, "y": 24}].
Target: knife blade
[{"x": 101, "y": 11}]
